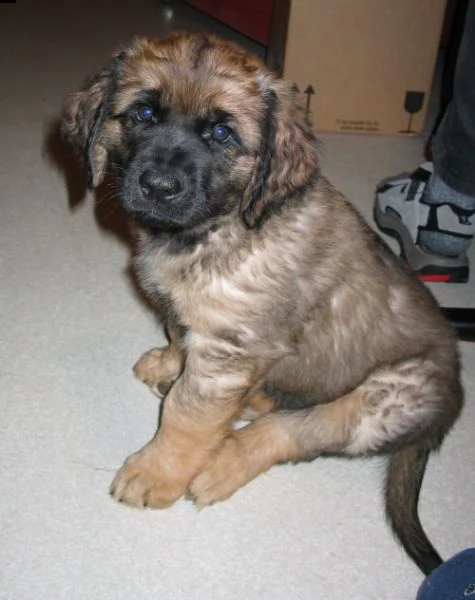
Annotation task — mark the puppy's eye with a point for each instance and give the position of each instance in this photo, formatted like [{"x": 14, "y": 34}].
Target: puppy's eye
[
  {"x": 221, "y": 133},
  {"x": 144, "y": 113}
]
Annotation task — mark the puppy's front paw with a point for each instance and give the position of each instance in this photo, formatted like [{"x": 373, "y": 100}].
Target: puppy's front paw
[
  {"x": 143, "y": 482},
  {"x": 226, "y": 471},
  {"x": 157, "y": 369}
]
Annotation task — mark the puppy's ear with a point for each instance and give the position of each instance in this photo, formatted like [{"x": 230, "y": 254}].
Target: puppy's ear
[
  {"x": 288, "y": 158},
  {"x": 84, "y": 116}
]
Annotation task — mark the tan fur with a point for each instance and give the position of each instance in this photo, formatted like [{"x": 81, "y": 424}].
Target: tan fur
[
  {"x": 289, "y": 293},
  {"x": 159, "y": 367}
]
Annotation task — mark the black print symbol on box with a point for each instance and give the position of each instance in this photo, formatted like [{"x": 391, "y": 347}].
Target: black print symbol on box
[
  {"x": 309, "y": 92},
  {"x": 413, "y": 103}
]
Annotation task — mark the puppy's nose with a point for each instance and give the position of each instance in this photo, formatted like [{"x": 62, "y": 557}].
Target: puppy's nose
[{"x": 164, "y": 186}]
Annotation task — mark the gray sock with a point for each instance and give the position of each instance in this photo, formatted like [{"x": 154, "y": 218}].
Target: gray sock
[{"x": 454, "y": 239}]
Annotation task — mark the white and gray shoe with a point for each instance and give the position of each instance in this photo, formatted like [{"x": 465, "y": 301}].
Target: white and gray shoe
[{"x": 400, "y": 211}]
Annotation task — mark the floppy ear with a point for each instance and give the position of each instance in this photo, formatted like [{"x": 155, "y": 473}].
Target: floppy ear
[
  {"x": 288, "y": 158},
  {"x": 83, "y": 119}
]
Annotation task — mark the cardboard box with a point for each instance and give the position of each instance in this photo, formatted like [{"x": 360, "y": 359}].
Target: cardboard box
[{"x": 364, "y": 66}]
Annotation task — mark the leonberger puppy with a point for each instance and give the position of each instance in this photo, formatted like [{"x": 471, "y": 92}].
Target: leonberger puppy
[{"x": 282, "y": 306}]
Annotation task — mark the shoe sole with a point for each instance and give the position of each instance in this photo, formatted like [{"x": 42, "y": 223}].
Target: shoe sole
[{"x": 427, "y": 267}]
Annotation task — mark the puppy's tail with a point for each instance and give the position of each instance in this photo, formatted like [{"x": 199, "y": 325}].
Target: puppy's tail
[{"x": 403, "y": 483}]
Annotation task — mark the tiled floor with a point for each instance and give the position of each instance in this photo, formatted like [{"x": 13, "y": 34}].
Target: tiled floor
[{"x": 71, "y": 326}]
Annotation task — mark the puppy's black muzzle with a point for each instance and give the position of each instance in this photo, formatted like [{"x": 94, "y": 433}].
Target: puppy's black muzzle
[{"x": 165, "y": 182}]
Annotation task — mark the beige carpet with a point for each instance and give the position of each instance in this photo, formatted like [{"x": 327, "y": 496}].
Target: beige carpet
[{"x": 72, "y": 325}]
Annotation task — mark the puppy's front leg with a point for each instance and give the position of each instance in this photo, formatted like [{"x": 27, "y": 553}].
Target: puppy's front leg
[
  {"x": 159, "y": 367},
  {"x": 196, "y": 416}
]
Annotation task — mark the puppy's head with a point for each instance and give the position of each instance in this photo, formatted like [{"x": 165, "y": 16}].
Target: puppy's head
[{"x": 197, "y": 128}]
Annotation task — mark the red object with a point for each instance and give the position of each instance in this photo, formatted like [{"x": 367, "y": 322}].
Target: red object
[
  {"x": 434, "y": 278},
  {"x": 250, "y": 17}
]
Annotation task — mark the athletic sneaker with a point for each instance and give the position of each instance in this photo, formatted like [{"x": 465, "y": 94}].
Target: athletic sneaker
[{"x": 400, "y": 211}]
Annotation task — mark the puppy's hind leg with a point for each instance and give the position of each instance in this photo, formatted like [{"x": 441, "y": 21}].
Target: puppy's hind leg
[
  {"x": 402, "y": 410},
  {"x": 159, "y": 367},
  {"x": 257, "y": 404}
]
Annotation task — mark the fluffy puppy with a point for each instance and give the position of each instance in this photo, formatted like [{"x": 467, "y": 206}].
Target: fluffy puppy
[{"x": 280, "y": 302}]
